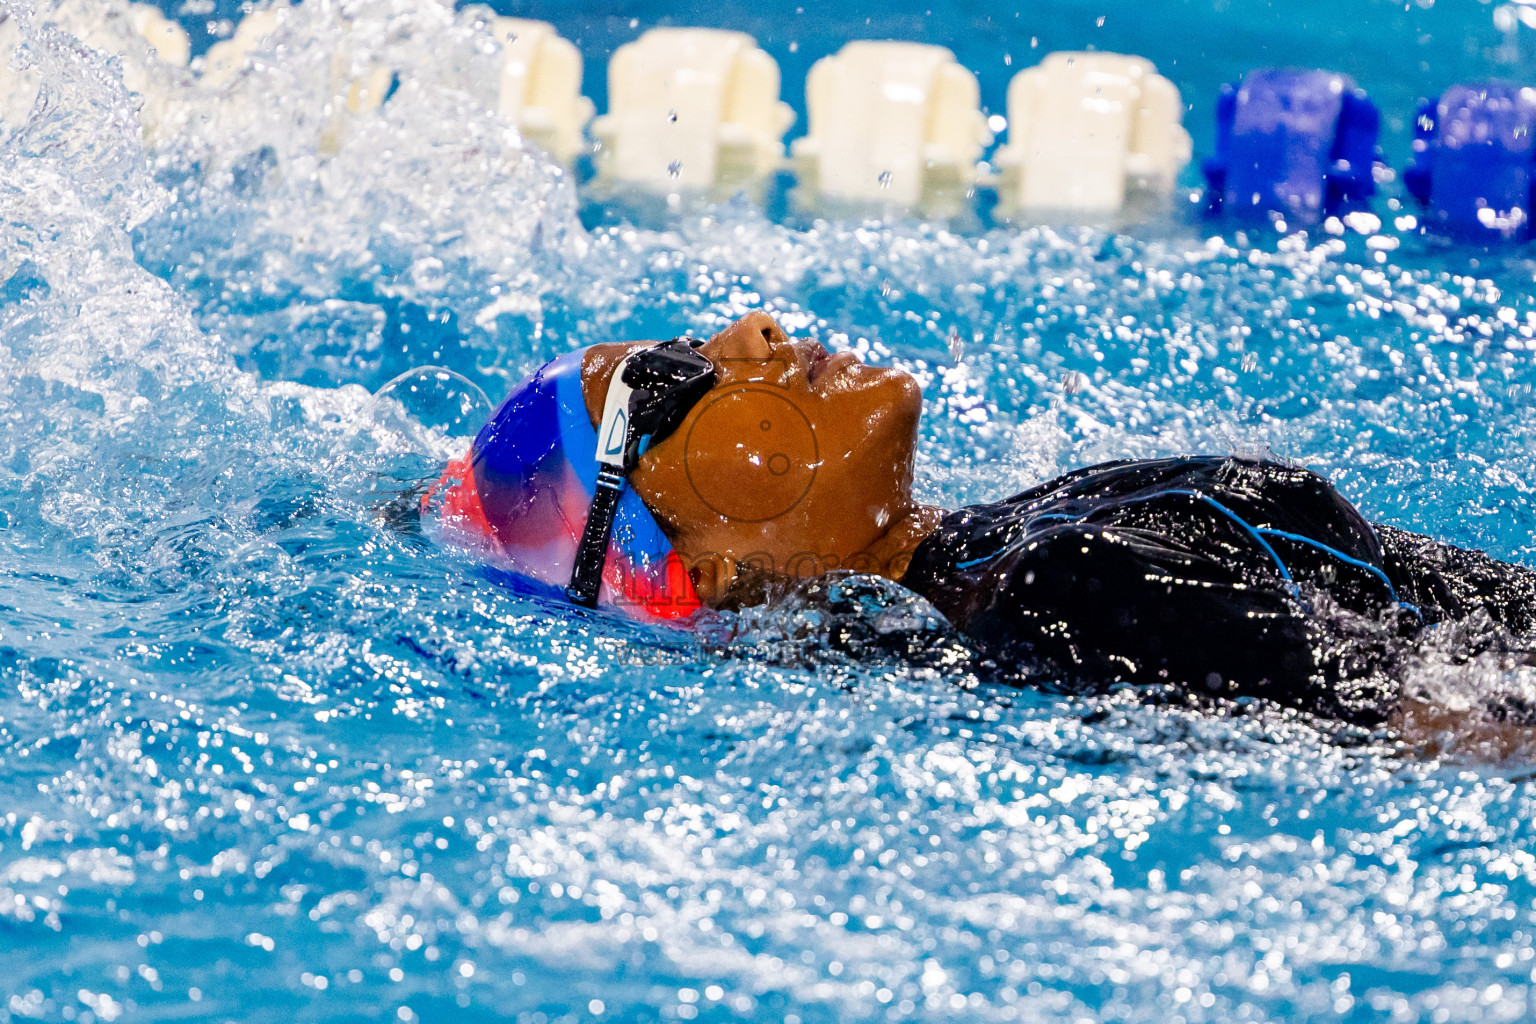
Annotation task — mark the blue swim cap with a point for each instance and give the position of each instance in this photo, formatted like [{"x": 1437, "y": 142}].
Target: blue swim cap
[{"x": 523, "y": 492}]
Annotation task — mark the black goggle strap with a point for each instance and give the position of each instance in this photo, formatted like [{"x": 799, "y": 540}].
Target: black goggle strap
[
  {"x": 592, "y": 555},
  {"x": 617, "y": 452}
]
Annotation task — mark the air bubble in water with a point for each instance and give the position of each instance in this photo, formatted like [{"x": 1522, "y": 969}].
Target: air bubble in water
[{"x": 430, "y": 409}]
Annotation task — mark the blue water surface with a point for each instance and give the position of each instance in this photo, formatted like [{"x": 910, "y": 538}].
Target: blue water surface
[{"x": 268, "y": 754}]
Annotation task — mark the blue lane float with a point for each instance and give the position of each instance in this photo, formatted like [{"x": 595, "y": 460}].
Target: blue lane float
[
  {"x": 1292, "y": 147},
  {"x": 1472, "y": 161}
]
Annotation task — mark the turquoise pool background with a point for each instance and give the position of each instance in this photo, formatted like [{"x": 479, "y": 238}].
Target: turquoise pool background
[{"x": 267, "y": 755}]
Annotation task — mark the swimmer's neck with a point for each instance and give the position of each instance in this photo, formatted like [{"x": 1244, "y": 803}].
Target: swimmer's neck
[{"x": 893, "y": 550}]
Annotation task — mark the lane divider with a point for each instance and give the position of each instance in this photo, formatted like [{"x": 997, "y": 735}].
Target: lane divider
[
  {"x": 228, "y": 57},
  {"x": 1089, "y": 133},
  {"x": 691, "y": 109},
  {"x": 160, "y": 42},
  {"x": 355, "y": 87},
  {"x": 1472, "y": 166},
  {"x": 891, "y": 123},
  {"x": 1090, "y": 136},
  {"x": 540, "y": 89},
  {"x": 1297, "y": 144}
]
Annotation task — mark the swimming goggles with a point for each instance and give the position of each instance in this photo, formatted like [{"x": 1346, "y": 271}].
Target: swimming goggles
[{"x": 649, "y": 394}]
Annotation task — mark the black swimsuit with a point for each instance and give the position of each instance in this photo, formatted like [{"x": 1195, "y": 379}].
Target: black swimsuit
[{"x": 1229, "y": 576}]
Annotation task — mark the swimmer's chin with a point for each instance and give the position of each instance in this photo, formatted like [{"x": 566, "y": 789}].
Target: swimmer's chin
[
  {"x": 909, "y": 402},
  {"x": 911, "y": 392},
  {"x": 905, "y": 393}
]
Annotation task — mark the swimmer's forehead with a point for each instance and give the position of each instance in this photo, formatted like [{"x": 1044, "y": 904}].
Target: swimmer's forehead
[
  {"x": 599, "y": 361},
  {"x": 597, "y": 365}
]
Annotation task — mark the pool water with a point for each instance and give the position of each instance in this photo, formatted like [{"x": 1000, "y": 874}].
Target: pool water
[{"x": 267, "y": 754}]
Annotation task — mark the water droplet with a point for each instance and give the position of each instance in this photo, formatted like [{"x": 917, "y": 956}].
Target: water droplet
[
  {"x": 885, "y": 179},
  {"x": 956, "y": 346},
  {"x": 675, "y": 168}
]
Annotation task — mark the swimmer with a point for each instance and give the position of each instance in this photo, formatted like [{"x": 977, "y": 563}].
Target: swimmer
[{"x": 732, "y": 467}]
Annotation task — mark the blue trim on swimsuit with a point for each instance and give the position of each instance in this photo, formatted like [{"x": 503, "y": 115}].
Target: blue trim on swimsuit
[
  {"x": 1347, "y": 560},
  {"x": 1285, "y": 571},
  {"x": 1256, "y": 532}
]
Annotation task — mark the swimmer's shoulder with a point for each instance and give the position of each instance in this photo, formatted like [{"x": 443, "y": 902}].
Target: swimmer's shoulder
[{"x": 1124, "y": 477}]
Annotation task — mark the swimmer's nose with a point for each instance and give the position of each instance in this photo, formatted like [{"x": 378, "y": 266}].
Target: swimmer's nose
[{"x": 753, "y": 338}]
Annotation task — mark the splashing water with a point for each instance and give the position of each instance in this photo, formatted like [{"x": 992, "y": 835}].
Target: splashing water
[{"x": 267, "y": 753}]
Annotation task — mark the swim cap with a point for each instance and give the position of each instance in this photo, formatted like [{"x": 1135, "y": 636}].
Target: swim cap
[{"x": 523, "y": 492}]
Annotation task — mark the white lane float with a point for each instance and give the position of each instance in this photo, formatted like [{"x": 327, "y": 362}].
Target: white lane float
[
  {"x": 891, "y": 123},
  {"x": 229, "y": 57},
  {"x": 691, "y": 109},
  {"x": 148, "y": 41},
  {"x": 540, "y": 89},
  {"x": 1087, "y": 132},
  {"x": 169, "y": 39},
  {"x": 110, "y": 27},
  {"x": 354, "y": 90}
]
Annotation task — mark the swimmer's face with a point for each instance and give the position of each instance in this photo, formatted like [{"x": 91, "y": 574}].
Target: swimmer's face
[{"x": 795, "y": 463}]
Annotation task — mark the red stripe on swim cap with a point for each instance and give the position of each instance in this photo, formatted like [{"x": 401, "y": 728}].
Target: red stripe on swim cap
[
  {"x": 664, "y": 593},
  {"x": 460, "y": 506}
]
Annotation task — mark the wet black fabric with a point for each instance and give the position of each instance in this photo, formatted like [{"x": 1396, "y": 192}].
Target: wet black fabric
[{"x": 1226, "y": 576}]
